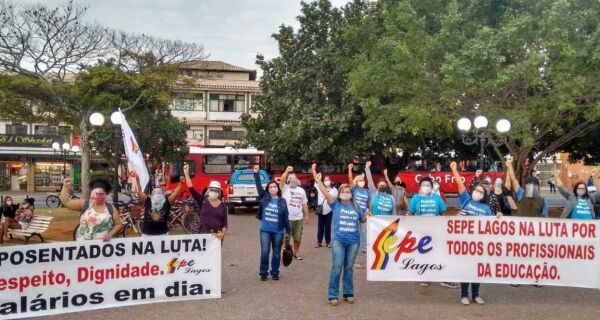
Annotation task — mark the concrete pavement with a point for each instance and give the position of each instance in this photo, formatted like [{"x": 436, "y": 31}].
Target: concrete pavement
[{"x": 302, "y": 292}]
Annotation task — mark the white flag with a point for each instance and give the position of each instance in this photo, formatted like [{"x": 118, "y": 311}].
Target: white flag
[{"x": 135, "y": 157}]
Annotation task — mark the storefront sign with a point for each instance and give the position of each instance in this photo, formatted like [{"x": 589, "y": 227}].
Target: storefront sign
[
  {"x": 46, "y": 279},
  {"x": 509, "y": 250},
  {"x": 22, "y": 140}
]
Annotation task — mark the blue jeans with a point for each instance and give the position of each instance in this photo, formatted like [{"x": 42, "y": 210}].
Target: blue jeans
[
  {"x": 343, "y": 257},
  {"x": 464, "y": 290},
  {"x": 270, "y": 240},
  {"x": 324, "y": 228}
]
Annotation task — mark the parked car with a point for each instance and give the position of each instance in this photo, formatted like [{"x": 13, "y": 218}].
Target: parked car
[{"x": 242, "y": 189}]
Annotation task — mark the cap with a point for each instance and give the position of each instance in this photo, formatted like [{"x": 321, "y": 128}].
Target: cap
[
  {"x": 533, "y": 180},
  {"x": 215, "y": 185}
]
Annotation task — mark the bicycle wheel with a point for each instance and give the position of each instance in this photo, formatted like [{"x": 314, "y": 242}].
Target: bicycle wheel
[
  {"x": 53, "y": 201},
  {"x": 191, "y": 221}
]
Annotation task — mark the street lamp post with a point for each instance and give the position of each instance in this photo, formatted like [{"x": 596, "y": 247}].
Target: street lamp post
[
  {"x": 482, "y": 135},
  {"x": 64, "y": 149},
  {"x": 97, "y": 120}
]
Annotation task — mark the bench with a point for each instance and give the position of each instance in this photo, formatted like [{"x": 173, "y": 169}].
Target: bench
[{"x": 37, "y": 226}]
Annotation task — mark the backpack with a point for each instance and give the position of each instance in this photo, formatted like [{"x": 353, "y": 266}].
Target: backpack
[{"x": 86, "y": 206}]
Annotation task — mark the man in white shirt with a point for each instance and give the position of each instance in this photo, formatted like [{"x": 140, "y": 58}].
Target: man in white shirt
[{"x": 297, "y": 204}]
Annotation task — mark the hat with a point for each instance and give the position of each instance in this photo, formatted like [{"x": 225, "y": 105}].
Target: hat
[
  {"x": 214, "y": 184},
  {"x": 533, "y": 180}
]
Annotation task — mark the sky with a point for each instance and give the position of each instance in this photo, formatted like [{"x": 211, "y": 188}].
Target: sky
[{"x": 233, "y": 31}]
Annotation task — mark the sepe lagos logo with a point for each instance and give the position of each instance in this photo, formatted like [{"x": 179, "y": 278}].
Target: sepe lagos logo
[
  {"x": 387, "y": 244},
  {"x": 185, "y": 265}
]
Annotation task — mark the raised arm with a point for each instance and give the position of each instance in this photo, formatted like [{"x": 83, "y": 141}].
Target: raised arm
[
  {"x": 71, "y": 204},
  {"x": 284, "y": 177},
  {"x": 259, "y": 187},
  {"x": 476, "y": 180},
  {"x": 387, "y": 179},
  {"x": 561, "y": 186},
  {"x": 459, "y": 182},
  {"x": 372, "y": 187},
  {"x": 177, "y": 191},
  {"x": 138, "y": 187},
  {"x": 186, "y": 174},
  {"x": 511, "y": 173},
  {"x": 350, "y": 177},
  {"x": 198, "y": 197},
  {"x": 318, "y": 180}
]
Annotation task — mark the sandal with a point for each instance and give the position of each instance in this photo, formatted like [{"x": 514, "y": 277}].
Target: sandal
[
  {"x": 328, "y": 245},
  {"x": 297, "y": 257},
  {"x": 318, "y": 245},
  {"x": 333, "y": 302}
]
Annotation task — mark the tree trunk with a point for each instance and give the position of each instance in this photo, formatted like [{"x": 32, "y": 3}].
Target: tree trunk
[{"x": 85, "y": 159}]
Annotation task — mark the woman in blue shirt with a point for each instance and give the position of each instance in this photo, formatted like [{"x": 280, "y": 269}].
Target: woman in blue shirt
[
  {"x": 362, "y": 197},
  {"x": 580, "y": 203},
  {"x": 426, "y": 203},
  {"x": 347, "y": 217},
  {"x": 382, "y": 202},
  {"x": 471, "y": 205},
  {"x": 274, "y": 223}
]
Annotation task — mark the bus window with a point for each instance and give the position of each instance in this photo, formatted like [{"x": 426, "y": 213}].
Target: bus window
[
  {"x": 219, "y": 164},
  {"x": 245, "y": 161},
  {"x": 177, "y": 170}
]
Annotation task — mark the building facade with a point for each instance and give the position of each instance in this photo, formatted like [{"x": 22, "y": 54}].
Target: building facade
[{"x": 210, "y": 98}]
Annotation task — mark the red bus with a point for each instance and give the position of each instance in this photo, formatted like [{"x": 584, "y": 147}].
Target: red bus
[{"x": 208, "y": 164}]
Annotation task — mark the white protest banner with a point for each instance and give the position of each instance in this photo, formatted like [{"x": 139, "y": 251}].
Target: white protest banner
[
  {"x": 45, "y": 279},
  {"x": 135, "y": 157},
  {"x": 507, "y": 250}
]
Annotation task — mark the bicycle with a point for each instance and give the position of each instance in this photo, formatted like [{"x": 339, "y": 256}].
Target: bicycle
[
  {"x": 184, "y": 212},
  {"x": 53, "y": 200}
]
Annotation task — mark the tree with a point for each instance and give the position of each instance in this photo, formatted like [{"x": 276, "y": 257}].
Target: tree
[
  {"x": 48, "y": 53},
  {"x": 430, "y": 62},
  {"x": 305, "y": 112}
]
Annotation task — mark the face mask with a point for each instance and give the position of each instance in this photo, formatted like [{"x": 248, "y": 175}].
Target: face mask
[
  {"x": 530, "y": 191},
  {"x": 345, "y": 196},
  {"x": 581, "y": 193},
  {"x": 294, "y": 183},
  {"x": 361, "y": 184},
  {"x": 213, "y": 195},
  {"x": 498, "y": 185},
  {"x": 158, "y": 199},
  {"x": 273, "y": 191},
  {"x": 477, "y": 196},
  {"x": 382, "y": 189},
  {"x": 98, "y": 198},
  {"x": 327, "y": 183},
  {"x": 426, "y": 190}
]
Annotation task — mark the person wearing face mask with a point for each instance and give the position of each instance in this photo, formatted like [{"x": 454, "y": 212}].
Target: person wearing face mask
[
  {"x": 474, "y": 204},
  {"x": 437, "y": 189},
  {"x": 398, "y": 192},
  {"x": 580, "y": 203},
  {"x": 347, "y": 215},
  {"x": 426, "y": 203},
  {"x": 382, "y": 202},
  {"x": 530, "y": 202},
  {"x": 362, "y": 197},
  {"x": 16, "y": 217},
  {"x": 213, "y": 212},
  {"x": 98, "y": 219},
  {"x": 297, "y": 204},
  {"x": 274, "y": 224},
  {"x": 157, "y": 207},
  {"x": 323, "y": 212}
]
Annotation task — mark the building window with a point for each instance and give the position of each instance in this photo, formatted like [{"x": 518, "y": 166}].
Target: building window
[
  {"x": 16, "y": 129},
  {"x": 188, "y": 102},
  {"x": 225, "y": 135},
  {"x": 46, "y": 130},
  {"x": 195, "y": 134},
  {"x": 227, "y": 103}
]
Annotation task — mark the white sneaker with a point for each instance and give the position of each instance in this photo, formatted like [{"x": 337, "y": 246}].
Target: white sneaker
[
  {"x": 449, "y": 285},
  {"x": 479, "y": 300},
  {"x": 424, "y": 284},
  {"x": 465, "y": 301}
]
